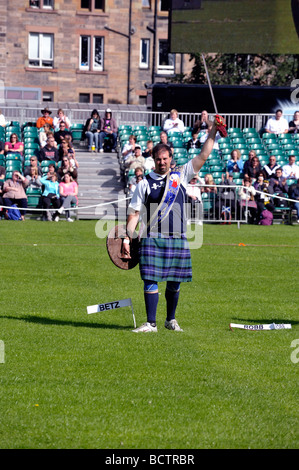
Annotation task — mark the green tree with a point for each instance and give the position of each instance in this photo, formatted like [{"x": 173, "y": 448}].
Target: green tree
[{"x": 244, "y": 69}]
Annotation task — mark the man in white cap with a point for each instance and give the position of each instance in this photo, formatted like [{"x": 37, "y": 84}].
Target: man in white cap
[{"x": 108, "y": 128}]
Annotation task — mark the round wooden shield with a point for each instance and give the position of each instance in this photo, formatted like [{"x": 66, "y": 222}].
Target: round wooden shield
[{"x": 114, "y": 245}]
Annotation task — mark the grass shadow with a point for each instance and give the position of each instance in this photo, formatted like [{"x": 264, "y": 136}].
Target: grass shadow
[{"x": 56, "y": 322}]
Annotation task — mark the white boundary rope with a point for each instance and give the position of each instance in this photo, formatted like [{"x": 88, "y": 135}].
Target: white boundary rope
[
  {"x": 76, "y": 208},
  {"x": 69, "y": 209}
]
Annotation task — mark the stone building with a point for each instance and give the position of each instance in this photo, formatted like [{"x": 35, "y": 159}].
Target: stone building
[{"x": 92, "y": 51}]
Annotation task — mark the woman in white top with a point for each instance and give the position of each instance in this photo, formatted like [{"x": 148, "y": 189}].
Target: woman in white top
[
  {"x": 61, "y": 117},
  {"x": 174, "y": 124}
]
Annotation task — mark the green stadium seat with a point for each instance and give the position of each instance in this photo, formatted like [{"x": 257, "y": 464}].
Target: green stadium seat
[
  {"x": 250, "y": 130},
  {"x": 139, "y": 128},
  {"x": 254, "y": 140},
  {"x": 13, "y": 165},
  {"x": 13, "y": 156},
  {"x": 284, "y": 136}
]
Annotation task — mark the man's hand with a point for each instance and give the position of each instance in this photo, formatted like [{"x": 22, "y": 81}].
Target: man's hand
[{"x": 125, "y": 249}]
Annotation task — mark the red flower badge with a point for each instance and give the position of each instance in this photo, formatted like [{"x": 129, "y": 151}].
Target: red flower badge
[{"x": 221, "y": 126}]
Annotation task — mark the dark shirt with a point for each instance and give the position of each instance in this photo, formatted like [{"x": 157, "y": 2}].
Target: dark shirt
[
  {"x": 47, "y": 153},
  {"x": 60, "y": 135}
]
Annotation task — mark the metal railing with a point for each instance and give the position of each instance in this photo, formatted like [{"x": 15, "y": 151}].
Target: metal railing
[
  {"x": 133, "y": 116},
  {"x": 219, "y": 204}
]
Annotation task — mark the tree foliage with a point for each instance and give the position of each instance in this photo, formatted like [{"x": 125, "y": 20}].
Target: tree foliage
[{"x": 244, "y": 69}]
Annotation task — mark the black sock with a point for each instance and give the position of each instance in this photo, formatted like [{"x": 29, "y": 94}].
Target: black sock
[
  {"x": 151, "y": 303},
  {"x": 172, "y": 298}
]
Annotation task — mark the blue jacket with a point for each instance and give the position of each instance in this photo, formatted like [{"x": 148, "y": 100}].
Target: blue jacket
[
  {"x": 231, "y": 164},
  {"x": 50, "y": 186}
]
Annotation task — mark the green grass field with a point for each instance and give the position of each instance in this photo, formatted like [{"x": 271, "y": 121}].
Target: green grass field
[
  {"x": 236, "y": 26},
  {"x": 76, "y": 381}
]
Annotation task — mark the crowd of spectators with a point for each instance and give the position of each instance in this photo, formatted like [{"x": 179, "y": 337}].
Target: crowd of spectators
[
  {"x": 50, "y": 171},
  {"x": 54, "y": 170},
  {"x": 260, "y": 181}
]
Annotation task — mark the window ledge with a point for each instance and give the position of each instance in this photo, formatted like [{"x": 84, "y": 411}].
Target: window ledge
[
  {"x": 42, "y": 10},
  {"x": 40, "y": 69},
  {"x": 91, "y": 72},
  {"x": 91, "y": 13}
]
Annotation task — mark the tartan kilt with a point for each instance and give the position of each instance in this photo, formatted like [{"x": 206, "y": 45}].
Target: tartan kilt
[{"x": 165, "y": 259}]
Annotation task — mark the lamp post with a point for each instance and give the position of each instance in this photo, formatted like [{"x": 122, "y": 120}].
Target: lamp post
[{"x": 128, "y": 36}]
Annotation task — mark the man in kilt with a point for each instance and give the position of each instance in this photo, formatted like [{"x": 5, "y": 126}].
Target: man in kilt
[{"x": 158, "y": 203}]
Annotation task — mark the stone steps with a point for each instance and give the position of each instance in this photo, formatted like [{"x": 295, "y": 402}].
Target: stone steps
[{"x": 100, "y": 183}]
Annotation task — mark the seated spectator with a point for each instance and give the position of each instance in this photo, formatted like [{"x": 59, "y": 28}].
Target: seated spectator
[
  {"x": 14, "y": 146},
  {"x": 270, "y": 169},
  {"x": 52, "y": 170},
  {"x": 251, "y": 155},
  {"x": 253, "y": 169},
  {"x": 33, "y": 178},
  {"x": 202, "y": 124},
  {"x": 68, "y": 190},
  {"x": 50, "y": 196},
  {"x": 14, "y": 192},
  {"x": 33, "y": 164},
  {"x": 135, "y": 160},
  {"x": 44, "y": 134},
  {"x": 246, "y": 194},
  {"x": 193, "y": 192},
  {"x": 235, "y": 163},
  {"x": 148, "y": 155},
  {"x": 194, "y": 143},
  {"x": 279, "y": 187},
  {"x": 129, "y": 148},
  {"x": 227, "y": 195},
  {"x": 149, "y": 164},
  {"x": 108, "y": 128},
  {"x": 45, "y": 119},
  {"x": 148, "y": 152},
  {"x": 294, "y": 124},
  {"x": 262, "y": 196},
  {"x": 63, "y": 150},
  {"x": 295, "y": 196},
  {"x": 92, "y": 130},
  {"x": 62, "y": 133},
  {"x": 2, "y": 180},
  {"x": 2, "y": 146},
  {"x": 67, "y": 167},
  {"x": 174, "y": 125},
  {"x": 61, "y": 117},
  {"x": 211, "y": 188},
  {"x": 49, "y": 151},
  {"x": 279, "y": 183},
  {"x": 164, "y": 140},
  {"x": 3, "y": 122},
  {"x": 134, "y": 180},
  {"x": 277, "y": 124},
  {"x": 291, "y": 170}
]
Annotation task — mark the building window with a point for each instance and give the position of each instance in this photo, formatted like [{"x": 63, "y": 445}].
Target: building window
[
  {"x": 41, "y": 50},
  {"x": 144, "y": 53},
  {"x": 91, "y": 53},
  {"x": 48, "y": 96},
  {"x": 166, "y": 61},
  {"x": 98, "y": 98},
  {"x": 84, "y": 97},
  {"x": 93, "y": 5},
  {"x": 146, "y": 3},
  {"x": 40, "y": 4}
]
